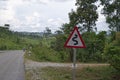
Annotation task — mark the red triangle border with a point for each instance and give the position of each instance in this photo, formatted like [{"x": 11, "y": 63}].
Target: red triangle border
[{"x": 65, "y": 45}]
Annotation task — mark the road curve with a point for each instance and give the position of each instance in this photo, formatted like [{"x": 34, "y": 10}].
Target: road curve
[{"x": 11, "y": 65}]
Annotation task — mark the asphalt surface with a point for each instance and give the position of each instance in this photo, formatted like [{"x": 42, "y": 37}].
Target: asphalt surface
[{"x": 11, "y": 65}]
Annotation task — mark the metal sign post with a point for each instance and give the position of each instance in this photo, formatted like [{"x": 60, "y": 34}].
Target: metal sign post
[
  {"x": 74, "y": 65},
  {"x": 74, "y": 41}
]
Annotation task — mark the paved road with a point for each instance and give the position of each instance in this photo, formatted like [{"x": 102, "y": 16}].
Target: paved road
[{"x": 11, "y": 65}]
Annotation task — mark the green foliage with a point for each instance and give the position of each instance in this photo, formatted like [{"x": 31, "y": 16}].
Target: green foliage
[
  {"x": 49, "y": 49},
  {"x": 59, "y": 42},
  {"x": 10, "y": 40},
  {"x": 7, "y": 40},
  {"x": 93, "y": 53},
  {"x": 95, "y": 44},
  {"x": 47, "y": 32},
  {"x": 58, "y": 45},
  {"x": 85, "y": 15},
  {"x": 112, "y": 53},
  {"x": 118, "y": 36},
  {"x": 44, "y": 53},
  {"x": 66, "y": 28},
  {"x": 112, "y": 12}
]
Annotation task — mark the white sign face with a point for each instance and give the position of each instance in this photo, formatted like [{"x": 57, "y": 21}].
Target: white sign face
[{"x": 75, "y": 40}]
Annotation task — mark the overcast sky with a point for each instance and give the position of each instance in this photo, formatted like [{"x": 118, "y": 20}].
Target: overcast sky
[{"x": 35, "y": 15}]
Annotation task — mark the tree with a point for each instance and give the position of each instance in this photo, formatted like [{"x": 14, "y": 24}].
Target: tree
[
  {"x": 112, "y": 12},
  {"x": 66, "y": 28},
  {"x": 85, "y": 16},
  {"x": 112, "y": 53},
  {"x": 95, "y": 44},
  {"x": 47, "y": 32},
  {"x": 58, "y": 32},
  {"x": 58, "y": 44}
]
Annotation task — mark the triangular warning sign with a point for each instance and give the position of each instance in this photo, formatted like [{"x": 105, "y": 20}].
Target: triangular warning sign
[{"x": 75, "y": 40}]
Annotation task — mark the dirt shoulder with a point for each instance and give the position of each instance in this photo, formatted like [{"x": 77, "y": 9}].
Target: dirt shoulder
[
  {"x": 34, "y": 69},
  {"x": 33, "y": 64}
]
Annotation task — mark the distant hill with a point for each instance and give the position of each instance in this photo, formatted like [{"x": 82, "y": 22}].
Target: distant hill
[{"x": 37, "y": 34}]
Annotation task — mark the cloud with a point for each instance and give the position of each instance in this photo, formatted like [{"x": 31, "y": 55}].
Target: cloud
[
  {"x": 2, "y": 5},
  {"x": 20, "y": 18},
  {"x": 38, "y": 1},
  {"x": 55, "y": 24},
  {"x": 32, "y": 15},
  {"x": 102, "y": 26},
  {"x": 8, "y": 15},
  {"x": 45, "y": 1},
  {"x": 60, "y": 0},
  {"x": 3, "y": 0},
  {"x": 32, "y": 23}
]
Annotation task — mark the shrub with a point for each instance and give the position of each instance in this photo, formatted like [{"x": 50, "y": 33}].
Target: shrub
[
  {"x": 112, "y": 53},
  {"x": 43, "y": 53}
]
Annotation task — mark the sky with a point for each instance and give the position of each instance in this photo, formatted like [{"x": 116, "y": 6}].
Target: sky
[{"x": 35, "y": 15}]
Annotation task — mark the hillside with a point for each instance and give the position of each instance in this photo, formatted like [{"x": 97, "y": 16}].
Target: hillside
[{"x": 10, "y": 40}]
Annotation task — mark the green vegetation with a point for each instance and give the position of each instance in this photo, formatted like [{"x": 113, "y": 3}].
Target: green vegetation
[
  {"x": 85, "y": 15},
  {"x": 10, "y": 40},
  {"x": 7, "y": 40},
  {"x": 96, "y": 73},
  {"x": 112, "y": 52},
  {"x": 64, "y": 73},
  {"x": 42, "y": 53},
  {"x": 112, "y": 12}
]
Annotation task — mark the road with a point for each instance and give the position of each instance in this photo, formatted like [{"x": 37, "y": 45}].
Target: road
[{"x": 11, "y": 65}]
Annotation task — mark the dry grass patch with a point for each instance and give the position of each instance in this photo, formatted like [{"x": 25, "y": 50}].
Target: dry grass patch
[{"x": 65, "y": 73}]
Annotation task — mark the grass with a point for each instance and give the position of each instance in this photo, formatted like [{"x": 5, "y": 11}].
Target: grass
[{"x": 63, "y": 73}]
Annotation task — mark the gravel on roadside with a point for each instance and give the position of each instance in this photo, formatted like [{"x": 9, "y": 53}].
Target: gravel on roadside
[{"x": 33, "y": 72}]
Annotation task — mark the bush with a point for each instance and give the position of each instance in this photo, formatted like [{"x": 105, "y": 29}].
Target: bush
[
  {"x": 112, "y": 53},
  {"x": 43, "y": 53}
]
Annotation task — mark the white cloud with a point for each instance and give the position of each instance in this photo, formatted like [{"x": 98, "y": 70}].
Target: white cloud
[
  {"x": 6, "y": 16},
  {"x": 9, "y": 15},
  {"x": 35, "y": 15},
  {"x": 56, "y": 22},
  {"x": 60, "y": 0},
  {"x": 102, "y": 26},
  {"x": 101, "y": 23},
  {"x": 45, "y": 1},
  {"x": 2, "y": 5},
  {"x": 38, "y": 1}
]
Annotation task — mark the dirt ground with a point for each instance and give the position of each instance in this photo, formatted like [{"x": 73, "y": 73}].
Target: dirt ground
[
  {"x": 33, "y": 64},
  {"x": 31, "y": 67}
]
